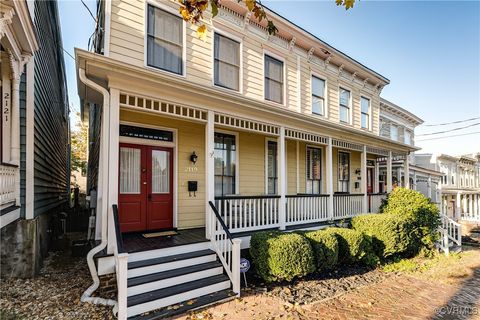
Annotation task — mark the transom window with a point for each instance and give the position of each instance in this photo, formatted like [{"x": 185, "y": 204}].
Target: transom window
[
  {"x": 227, "y": 62},
  {"x": 343, "y": 171},
  {"x": 272, "y": 170},
  {"x": 273, "y": 79},
  {"x": 164, "y": 40},
  {"x": 225, "y": 164},
  {"x": 318, "y": 96},
  {"x": 365, "y": 109},
  {"x": 344, "y": 105},
  {"x": 314, "y": 170}
]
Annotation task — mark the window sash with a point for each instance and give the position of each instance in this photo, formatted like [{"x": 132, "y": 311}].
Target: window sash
[
  {"x": 365, "y": 112},
  {"x": 344, "y": 105},
  {"x": 343, "y": 171},
  {"x": 272, "y": 167},
  {"x": 318, "y": 95},
  {"x": 273, "y": 79},
  {"x": 225, "y": 164},
  {"x": 314, "y": 170},
  {"x": 393, "y": 132},
  {"x": 226, "y": 62}
]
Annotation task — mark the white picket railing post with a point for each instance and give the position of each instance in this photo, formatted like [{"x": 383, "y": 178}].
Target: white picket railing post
[
  {"x": 236, "y": 265},
  {"x": 122, "y": 270}
]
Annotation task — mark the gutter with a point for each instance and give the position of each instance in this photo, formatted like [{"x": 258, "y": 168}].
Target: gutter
[{"x": 87, "y": 295}]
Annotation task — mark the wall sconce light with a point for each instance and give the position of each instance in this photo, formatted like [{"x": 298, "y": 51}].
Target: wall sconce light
[
  {"x": 358, "y": 171},
  {"x": 193, "y": 158}
]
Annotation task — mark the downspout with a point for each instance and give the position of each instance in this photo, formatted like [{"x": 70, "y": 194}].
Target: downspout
[{"x": 86, "y": 296}]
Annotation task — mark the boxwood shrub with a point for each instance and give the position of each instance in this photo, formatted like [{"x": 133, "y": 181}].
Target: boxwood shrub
[
  {"x": 325, "y": 249},
  {"x": 389, "y": 233},
  {"x": 280, "y": 256},
  {"x": 423, "y": 215},
  {"x": 354, "y": 246}
]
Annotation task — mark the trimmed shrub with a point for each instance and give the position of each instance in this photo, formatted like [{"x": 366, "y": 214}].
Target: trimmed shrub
[
  {"x": 325, "y": 249},
  {"x": 354, "y": 246},
  {"x": 281, "y": 256},
  {"x": 389, "y": 234},
  {"x": 423, "y": 215}
]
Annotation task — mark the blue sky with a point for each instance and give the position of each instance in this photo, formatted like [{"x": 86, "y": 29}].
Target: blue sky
[{"x": 429, "y": 50}]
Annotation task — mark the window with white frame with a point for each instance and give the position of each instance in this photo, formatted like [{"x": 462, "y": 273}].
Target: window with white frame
[
  {"x": 273, "y": 79},
  {"x": 272, "y": 171},
  {"x": 344, "y": 105},
  {"x": 225, "y": 164},
  {"x": 226, "y": 62},
  {"x": 318, "y": 96},
  {"x": 408, "y": 137},
  {"x": 394, "y": 132},
  {"x": 365, "y": 109},
  {"x": 343, "y": 171},
  {"x": 314, "y": 170},
  {"x": 164, "y": 40}
]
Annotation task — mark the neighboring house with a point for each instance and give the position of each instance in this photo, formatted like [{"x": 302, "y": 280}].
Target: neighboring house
[
  {"x": 460, "y": 183},
  {"x": 218, "y": 138},
  {"x": 34, "y": 170},
  {"x": 399, "y": 124}
]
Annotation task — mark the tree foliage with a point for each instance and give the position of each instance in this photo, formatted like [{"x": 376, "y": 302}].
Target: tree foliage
[
  {"x": 192, "y": 11},
  {"x": 79, "y": 146}
]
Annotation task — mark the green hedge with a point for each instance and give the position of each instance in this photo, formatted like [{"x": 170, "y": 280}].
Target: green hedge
[
  {"x": 280, "y": 256},
  {"x": 423, "y": 215},
  {"x": 325, "y": 249},
  {"x": 389, "y": 234},
  {"x": 354, "y": 246}
]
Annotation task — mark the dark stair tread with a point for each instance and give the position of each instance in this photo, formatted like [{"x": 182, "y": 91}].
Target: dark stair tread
[
  {"x": 174, "y": 290},
  {"x": 199, "y": 302},
  {"x": 172, "y": 258},
  {"x": 172, "y": 273}
]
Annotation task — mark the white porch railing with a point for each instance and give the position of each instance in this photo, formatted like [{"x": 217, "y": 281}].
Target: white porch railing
[
  {"x": 8, "y": 175},
  {"x": 450, "y": 233},
  {"x": 375, "y": 201},
  {"x": 227, "y": 248},
  {"x": 306, "y": 208},
  {"x": 248, "y": 213},
  {"x": 347, "y": 205},
  {"x": 471, "y": 217},
  {"x": 121, "y": 268}
]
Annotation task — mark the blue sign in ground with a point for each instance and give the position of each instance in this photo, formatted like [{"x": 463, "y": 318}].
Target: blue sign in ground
[{"x": 244, "y": 265}]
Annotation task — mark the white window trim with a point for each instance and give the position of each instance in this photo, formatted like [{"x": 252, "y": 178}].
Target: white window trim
[
  {"x": 267, "y": 139},
  {"x": 168, "y": 144},
  {"x": 370, "y": 112},
  {"x": 284, "y": 89},
  {"x": 350, "y": 115},
  {"x": 237, "y": 164},
  {"x": 162, "y": 6},
  {"x": 325, "y": 93},
  {"x": 234, "y": 37},
  {"x": 322, "y": 165}
]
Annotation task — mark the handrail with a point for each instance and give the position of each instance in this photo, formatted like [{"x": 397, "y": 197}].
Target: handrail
[
  {"x": 377, "y": 194},
  {"x": 240, "y": 197},
  {"x": 118, "y": 234},
  {"x": 348, "y": 194},
  {"x": 222, "y": 223},
  {"x": 307, "y": 195}
]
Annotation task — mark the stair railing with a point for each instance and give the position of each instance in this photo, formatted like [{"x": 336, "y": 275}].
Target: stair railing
[
  {"x": 227, "y": 248},
  {"x": 121, "y": 267},
  {"x": 450, "y": 232}
]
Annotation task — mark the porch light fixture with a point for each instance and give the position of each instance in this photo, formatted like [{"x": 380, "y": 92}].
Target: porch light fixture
[
  {"x": 193, "y": 158},
  {"x": 358, "y": 171}
]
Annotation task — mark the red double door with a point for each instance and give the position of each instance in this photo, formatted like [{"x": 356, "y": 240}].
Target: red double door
[{"x": 145, "y": 190}]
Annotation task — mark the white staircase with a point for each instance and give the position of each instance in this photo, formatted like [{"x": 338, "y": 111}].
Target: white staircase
[
  {"x": 188, "y": 276},
  {"x": 450, "y": 235}
]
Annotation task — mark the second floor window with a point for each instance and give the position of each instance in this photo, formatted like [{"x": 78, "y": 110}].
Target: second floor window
[
  {"x": 318, "y": 96},
  {"x": 408, "y": 137},
  {"x": 365, "y": 105},
  {"x": 227, "y": 62},
  {"x": 344, "y": 105},
  {"x": 164, "y": 40},
  {"x": 394, "y": 132},
  {"x": 273, "y": 79}
]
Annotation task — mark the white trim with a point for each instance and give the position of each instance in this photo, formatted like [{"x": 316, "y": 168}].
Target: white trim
[
  {"x": 325, "y": 95},
  {"x": 30, "y": 136},
  {"x": 108, "y": 19},
  {"x": 173, "y": 145},
  {"x": 284, "y": 87},
  {"x": 162, "y": 6},
  {"x": 9, "y": 217},
  {"x": 350, "y": 113},
  {"x": 238, "y": 39},
  {"x": 237, "y": 158}
]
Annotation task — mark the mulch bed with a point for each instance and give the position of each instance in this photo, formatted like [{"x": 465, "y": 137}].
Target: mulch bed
[
  {"x": 54, "y": 294},
  {"x": 317, "y": 287}
]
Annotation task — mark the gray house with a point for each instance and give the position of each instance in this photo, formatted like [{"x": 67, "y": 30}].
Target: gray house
[{"x": 34, "y": 169}]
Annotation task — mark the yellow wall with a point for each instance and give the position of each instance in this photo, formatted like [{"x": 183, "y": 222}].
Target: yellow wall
[{"x": 252, "y": 163}]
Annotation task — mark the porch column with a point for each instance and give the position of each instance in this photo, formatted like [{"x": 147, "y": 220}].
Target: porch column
[
  {"x": 440, "y": 196},
  {"x": 329, "y": 170},
  {"x": 7, "y": 105},
  {"x": 376, "y": 180},
  {"x": 475, "y": 206},
  {"x": 470, "y": 204},
  {"x": 389, "y": 172},
  {"x": 458, "y": 204},
  {"x": 414, "y": 186},
  {"x": 209, "y": 170},
  {"x": 15, "y": 133},
  {"x": 363, "y": 178},
  {"x": 282, "y": 179},
  {"x": 429, "y": 187},
  {"x": 29, "y": 140},
  {"x": 112, "y": 163},
  {"x": 407, "y": 171}
]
